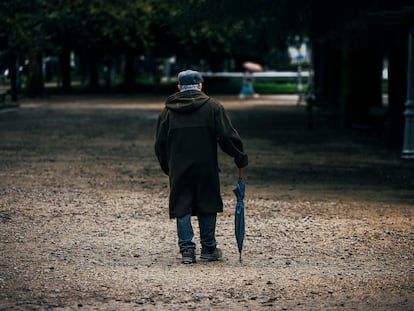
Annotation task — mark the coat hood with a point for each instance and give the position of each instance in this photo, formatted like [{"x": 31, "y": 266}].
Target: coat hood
[{"x": 186, "y": 101}]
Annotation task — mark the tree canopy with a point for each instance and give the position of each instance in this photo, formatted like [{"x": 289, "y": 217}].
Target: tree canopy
[{"x": 349, "y": 42}]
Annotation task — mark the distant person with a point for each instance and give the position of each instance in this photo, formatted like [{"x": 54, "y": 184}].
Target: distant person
[
  {"x": 247, "y": 89},
  {"x": 188, "y": 131}
]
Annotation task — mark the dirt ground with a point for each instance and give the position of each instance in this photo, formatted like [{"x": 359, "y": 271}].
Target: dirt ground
[{"x": 84, "y": 221}]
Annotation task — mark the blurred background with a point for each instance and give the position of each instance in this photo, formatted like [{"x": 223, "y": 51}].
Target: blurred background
[{"x": 348, "y": 58}]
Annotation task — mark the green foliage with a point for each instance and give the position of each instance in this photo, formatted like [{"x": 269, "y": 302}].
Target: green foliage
[
  {"x": 277, "y": 88},
  {"x": 21, "y": 24},
  {"x": 201, "y": 34},
  {"x": 241, "y": 30},
  {"x": 95, "y": 24},
  {"x": 193, "y": 29},
  {"x": 100, "y": 24}
]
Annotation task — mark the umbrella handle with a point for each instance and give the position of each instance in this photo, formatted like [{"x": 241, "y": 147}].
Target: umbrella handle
[{"x": 240, "y": 173}]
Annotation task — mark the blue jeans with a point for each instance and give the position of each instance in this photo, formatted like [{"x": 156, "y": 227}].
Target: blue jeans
[{"x": 207, "y": 225}]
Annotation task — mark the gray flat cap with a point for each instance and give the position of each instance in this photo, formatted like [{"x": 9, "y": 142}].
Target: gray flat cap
[{"x": 189, "y": 77}]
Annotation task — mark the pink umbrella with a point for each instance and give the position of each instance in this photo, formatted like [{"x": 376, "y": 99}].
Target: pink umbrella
[{"x": 252, "y": 66}]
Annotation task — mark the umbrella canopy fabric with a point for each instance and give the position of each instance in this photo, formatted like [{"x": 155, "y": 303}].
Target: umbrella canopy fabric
[
  {"x": 239, "y": 223},
  {"x": 252, "y": 66}
]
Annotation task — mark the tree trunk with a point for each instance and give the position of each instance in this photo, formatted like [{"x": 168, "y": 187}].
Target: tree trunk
[
  {"x": 129, "y": 72},
  {"x": 13, "y": 76},
  {"x": 327, "y": 76},
  {"x": 397, "y": 87},
  {"x": 361, "y": 83},
  {"x": 65, "y": 68},
  {"x": 93, "y": 72},
  {"x": 35, "y": 85},
  {"x": 327, "y": 56},
  {"x": 332, "y": 77}
]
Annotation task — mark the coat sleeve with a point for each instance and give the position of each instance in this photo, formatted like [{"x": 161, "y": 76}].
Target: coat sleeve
[
  {"x": 161, "y": 141},
  {"x": 228, "y": 138}
]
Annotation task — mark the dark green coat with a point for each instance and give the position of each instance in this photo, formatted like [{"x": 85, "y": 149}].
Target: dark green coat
[{"x": 188, "y": 130}]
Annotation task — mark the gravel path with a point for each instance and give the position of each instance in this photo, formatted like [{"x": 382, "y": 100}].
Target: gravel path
[{"x": 84, "y": 222}]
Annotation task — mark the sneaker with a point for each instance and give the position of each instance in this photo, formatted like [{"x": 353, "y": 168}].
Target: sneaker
[
  {"x": 188, "y": 257},
  {"x": 217, "y": 254}
]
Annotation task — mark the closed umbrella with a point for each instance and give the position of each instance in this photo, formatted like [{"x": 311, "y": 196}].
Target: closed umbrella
[{"x": 239, "y": 224}]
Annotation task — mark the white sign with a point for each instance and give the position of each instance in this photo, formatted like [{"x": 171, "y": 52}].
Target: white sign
[{"x": 298, "y": 55}]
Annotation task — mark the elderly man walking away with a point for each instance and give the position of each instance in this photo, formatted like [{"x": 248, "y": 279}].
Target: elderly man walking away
[{"x": 189, "y": 129}]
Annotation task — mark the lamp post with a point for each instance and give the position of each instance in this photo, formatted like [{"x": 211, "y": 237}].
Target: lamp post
[
  {"x": 299, "y": 59},
  {"x": 408, "y": 147}
]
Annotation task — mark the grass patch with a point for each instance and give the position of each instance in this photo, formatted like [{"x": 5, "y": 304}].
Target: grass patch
[{"x": 276, "y": 88}]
